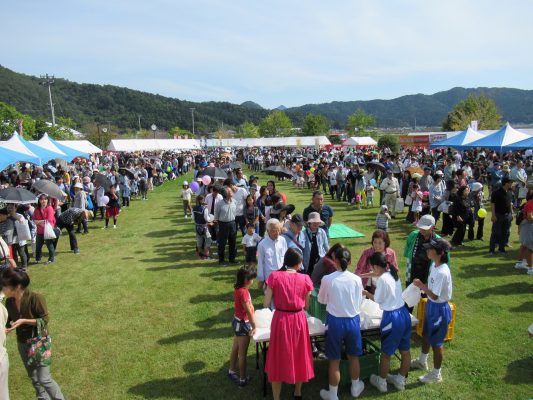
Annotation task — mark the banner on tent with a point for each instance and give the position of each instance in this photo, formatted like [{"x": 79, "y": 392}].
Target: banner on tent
[{"x": 414, "y": 141}]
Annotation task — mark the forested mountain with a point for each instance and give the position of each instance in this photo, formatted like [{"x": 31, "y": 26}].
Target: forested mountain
[
  {"x": 515, "y": 106},
  {"x": 85, "y": 103}
]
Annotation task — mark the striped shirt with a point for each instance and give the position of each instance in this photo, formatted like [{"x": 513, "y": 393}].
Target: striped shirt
[{"x": 382, "y": 221}]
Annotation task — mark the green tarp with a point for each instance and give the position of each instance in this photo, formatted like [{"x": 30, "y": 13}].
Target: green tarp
[{"x": 337, "y": 231}]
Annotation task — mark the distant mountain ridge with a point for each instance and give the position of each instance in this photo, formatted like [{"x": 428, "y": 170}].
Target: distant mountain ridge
[{"x": 122, "y": 106}]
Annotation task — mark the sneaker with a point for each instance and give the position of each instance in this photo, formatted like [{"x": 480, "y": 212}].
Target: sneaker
[
  {"x": 357, "y": 388},
  {"x": 114, "y": 227},
  {"x": 416, "y": 364},
  {"x": 521, "y": 265},
  {"x": 244, "y": 382},
  {"x": 76, "y": 251},
  {"x": 530, "y": 271},
  {"x": 326, "y": 395},
  {"x": 378, "y": 383},
  {"x": 234, "y": 377},
  {"x": 105, "y": 227},
  {"x": 430, "y": 377},
  {"x": 49, "y": 262},
  {"x": 396, "y": 380}
]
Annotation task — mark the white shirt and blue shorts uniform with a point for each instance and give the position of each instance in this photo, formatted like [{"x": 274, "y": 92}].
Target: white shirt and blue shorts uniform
[
  {"x": 438, "y": 314},
  {"x": 342, "y": 292},
  {"x": 396, "y": 322}
]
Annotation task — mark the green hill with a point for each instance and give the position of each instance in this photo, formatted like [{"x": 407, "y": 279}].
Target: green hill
[{"x": 85, "y": 103}]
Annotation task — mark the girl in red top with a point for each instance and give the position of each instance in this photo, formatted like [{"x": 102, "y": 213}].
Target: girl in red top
[
  {"x": 243, "y": 325},
  {"x": 43, "y": 214}
]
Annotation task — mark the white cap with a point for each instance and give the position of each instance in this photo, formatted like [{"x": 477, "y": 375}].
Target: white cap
[
  {"x": 426, "y": 222},
  {"x": 439, "y": 172},
  {"x": 185, "y": 183}
]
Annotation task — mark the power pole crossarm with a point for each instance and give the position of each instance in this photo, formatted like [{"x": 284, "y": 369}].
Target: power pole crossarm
[{"x": 49, "y": 81}]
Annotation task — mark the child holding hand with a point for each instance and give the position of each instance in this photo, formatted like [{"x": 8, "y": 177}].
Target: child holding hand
[{"x": 243, "y": 325}]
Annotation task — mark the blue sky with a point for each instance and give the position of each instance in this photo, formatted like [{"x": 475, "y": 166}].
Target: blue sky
[{"x": 273, "y": 52}]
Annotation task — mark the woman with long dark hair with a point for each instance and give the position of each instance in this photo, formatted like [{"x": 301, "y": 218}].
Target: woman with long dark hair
[{"x": 44, "y": 214}]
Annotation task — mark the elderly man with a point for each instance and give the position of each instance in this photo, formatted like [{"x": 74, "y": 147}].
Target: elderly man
[
  {"x": 325, "y": 211},
  {"x": 239, "y": 198},
  {"x": 225, "y": 212},
  {"x": 294, "y": 236},
  {"x": 270, "y": 251},
  {"x": 391, "y": 188},
  {"x": 316, "y": 242},
  {"x": 502, "y": 216}
]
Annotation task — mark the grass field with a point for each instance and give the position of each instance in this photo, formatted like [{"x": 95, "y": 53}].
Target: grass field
[{"x": 137, "y": 316}]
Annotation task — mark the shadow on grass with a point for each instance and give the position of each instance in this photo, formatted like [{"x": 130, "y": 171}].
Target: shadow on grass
[
  {"x": 209, "y": 298},
  {"x": 226, "y": 275},
  {"x": 214, "y": 333},
  {"x": 488, "y": 270},
  {"x": 519, "y": 371},
  {"x": 223, "y": 317},
  {"x": 508, "y": 289},
  {"x": 173, "y": 266},
  {"x": 524, "y": 307},
  {"x": 161, "y": 234}
]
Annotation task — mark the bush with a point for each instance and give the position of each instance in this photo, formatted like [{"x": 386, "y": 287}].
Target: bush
[{"x": 390, "y": 141}]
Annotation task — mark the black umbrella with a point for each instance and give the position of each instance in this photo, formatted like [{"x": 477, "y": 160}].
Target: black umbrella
[
  {"x": 49, "y": 188},
  {"x": 17, "y": 196},
  {"x": 376, "y": 165},
  {"x": 214, "y": 172},
  {"x": 270, "y": 170},
  {"x": 102, "y": 180},
  {"x": 128, "y": 172},
  {"x": 276, "y": 170}
]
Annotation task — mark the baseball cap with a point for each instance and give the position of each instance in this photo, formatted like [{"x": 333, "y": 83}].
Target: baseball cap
[
  {"x": 426, "y": 222},
  {"x": 298, "y": 220},
  {"x": 438, "y": 244},
  {"x": 384, "y": 207}
]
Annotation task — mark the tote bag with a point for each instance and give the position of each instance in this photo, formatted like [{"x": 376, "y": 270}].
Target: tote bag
[
  {"x": 23, "y": 230},
  {"x": 49, "y": 233}
]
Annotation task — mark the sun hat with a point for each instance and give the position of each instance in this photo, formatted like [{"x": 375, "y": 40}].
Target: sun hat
[
  {"x": 314, "y": 217},
  {"x": 185, "y": 183},
  {"x": 476, "y": 186},
  {"x": 439, "y": 172},
  {"x": 426, "y": 222},
  {"x": 78, "y": 185}
]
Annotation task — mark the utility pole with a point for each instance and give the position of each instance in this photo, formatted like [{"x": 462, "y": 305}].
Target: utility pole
[
  {"x": 192, "y": 115},
  {"x": 49, "y": 81},
  {"x": 139, "y": 119}
]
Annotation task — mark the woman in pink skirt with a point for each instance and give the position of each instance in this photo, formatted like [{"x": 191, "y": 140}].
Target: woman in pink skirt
[{"x": 289, "y": 357}]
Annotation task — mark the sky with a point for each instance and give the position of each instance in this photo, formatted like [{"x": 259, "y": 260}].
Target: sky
[{"x": 273, "y": 52}]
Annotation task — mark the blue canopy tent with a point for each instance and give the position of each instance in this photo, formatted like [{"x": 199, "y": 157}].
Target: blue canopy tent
[
  {"x": 70, "y": 153},
  {"x": 467, "y": 136},
  {"x": 499, "y": 140},
  {"x": 8, "y": 157},
  {"x": 522, "y": 144},
  {"x": 44, "y": 154}
]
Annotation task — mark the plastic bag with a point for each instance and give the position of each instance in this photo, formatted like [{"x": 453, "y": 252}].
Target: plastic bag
[
  {"x": 263, "y": 318},
  {"x": 49, "y": 233},
  {"x": 23, "y": 230},
  {"x": 371, "y": 309},
  {"x": 411, "y": 295},
  {"x": 398, "y": 207}
]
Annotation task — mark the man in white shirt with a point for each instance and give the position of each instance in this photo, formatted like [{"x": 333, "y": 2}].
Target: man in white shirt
[
  {"x": 391, "y": 188},
  {"x": 239, "y": 197},
  {"x": 342, "y": 292},
  {"x": 211, "y": 200},
  {"x": 270, "y": 251}
]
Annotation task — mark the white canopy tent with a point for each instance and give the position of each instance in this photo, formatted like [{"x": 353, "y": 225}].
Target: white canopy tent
[
  {"x": 81, "y": 145},
  {"x": 293, "y": 141},
  {"x": 360, "y": 141},
  {"x": 152, "y": 144}
]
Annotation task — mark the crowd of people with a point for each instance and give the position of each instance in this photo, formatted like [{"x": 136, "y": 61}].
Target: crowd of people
[{"x": 288, "y": 252}]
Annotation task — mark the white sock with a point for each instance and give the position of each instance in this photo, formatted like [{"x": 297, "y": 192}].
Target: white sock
[
  {"x": 436, "y": 371},
  {"x": 355, "y": 381},
  {"x": 333, "y": 391},
  {"x": 423, "y": 358}
]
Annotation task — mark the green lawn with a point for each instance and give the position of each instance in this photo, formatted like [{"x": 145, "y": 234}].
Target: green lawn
[{"x": 137, "y": 316}]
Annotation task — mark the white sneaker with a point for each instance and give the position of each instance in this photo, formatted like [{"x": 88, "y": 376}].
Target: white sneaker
[
  {"x": 396, "y": 380},
  {"x": 380, "y": 384},
  {"x": 416, "y": 364},
  {"x": 326, "y": 395},
  {"x": 430, "y": 377},
  {"x": 357, "y": 388},
  {"x": 105, "y": 227},
  {"x": 521, "y": 265},
  {"x": 530, "y": 271},
  {"x": 114, "y": 227}
]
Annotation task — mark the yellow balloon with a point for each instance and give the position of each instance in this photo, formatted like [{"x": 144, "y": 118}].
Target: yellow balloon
[{"x": 482, "y": 213}]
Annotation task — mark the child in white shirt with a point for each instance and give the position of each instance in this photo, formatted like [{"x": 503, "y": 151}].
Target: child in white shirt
[
  {"x": 249, "y": 242},
  {"x": 186, "y": 195}
]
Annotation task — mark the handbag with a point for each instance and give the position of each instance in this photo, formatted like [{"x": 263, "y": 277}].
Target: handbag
[
  {"x": 444, "y": 207},
  {"x": 23, "y": 230},
  {"x": 40, "y": 347},
  {"x": 49, "y": 233},
  {"x": 408, "y": 200}
]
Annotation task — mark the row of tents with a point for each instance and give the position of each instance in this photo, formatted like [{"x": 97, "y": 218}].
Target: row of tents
[
  {"x": 504, "y": 139},
  {"x": 39, "y": 152}
]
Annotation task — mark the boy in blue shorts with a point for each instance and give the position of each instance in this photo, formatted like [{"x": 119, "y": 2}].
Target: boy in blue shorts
[
  {"x": 438, "y": 314},
  {"x": 342, "y": 292}
]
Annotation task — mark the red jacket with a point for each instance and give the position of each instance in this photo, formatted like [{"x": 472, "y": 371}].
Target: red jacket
[{"x": 48, "y": 214}]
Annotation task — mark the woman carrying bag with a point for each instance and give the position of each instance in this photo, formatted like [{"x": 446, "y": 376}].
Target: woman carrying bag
[
  {"x": 28, "y": 315},
  {"x": 45, "y": 219}
]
